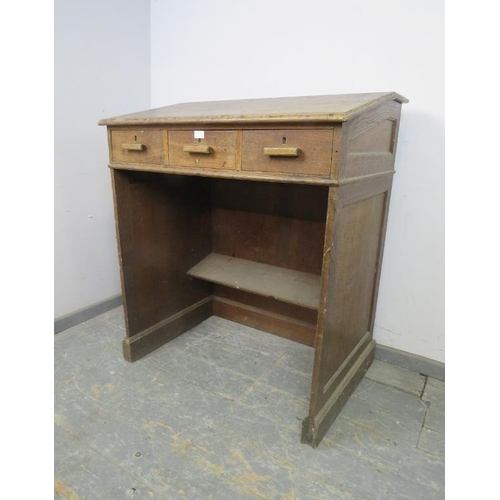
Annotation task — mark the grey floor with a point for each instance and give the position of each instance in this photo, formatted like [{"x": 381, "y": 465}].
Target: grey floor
[{"x": 216, "y": 414}]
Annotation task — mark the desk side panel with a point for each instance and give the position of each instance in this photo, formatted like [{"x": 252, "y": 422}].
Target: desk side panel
[
  {"x": 353, "y": 251},
  {"x": 370, "y": 141},
  {"x": 163, "y": 229},
  {"x": 354, "y": 240}
]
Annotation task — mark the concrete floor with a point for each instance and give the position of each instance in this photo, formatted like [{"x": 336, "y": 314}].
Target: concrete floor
[{"x": 216, "y": 414}]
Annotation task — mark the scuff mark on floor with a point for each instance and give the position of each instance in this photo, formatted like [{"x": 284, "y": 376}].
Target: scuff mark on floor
[
  {"x": 182, "y": 447},
  {"x": 241, "y": 458},
  {"x": 152, "y": 424},
  {"x": 61, "y": 489}
]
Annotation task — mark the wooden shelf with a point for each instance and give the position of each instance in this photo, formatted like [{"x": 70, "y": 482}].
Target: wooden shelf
[{"x": 283, "y": 284}]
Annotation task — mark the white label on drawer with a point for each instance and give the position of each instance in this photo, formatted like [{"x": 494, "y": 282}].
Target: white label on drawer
[{"x": 199, "y": 134}]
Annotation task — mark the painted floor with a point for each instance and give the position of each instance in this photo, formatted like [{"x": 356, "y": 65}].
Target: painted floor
[{"x": 216, "y": 414}]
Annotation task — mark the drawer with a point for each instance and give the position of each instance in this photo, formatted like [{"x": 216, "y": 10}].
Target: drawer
[
  {"x": 215, "y": 150},
  {"x": 303, "y": 152},
  {"x": 138, "y": 146}
]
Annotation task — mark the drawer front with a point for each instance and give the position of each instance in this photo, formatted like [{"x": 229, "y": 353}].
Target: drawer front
[
  {"x": 215, "y": 150},
  {"x": 138, "y": 146},
  {"x": 303, "y": 152}
]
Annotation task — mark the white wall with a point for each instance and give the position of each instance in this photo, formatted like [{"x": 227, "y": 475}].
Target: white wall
[
  {"x": 102, "y": 68},
  {"x": 224, "y": 49}
]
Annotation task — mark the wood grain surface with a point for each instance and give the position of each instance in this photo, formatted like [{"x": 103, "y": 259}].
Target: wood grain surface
[{"x": 303, "y": 109}]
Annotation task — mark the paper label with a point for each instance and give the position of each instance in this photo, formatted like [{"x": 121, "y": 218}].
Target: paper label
[{"x": 199, "y": 134}]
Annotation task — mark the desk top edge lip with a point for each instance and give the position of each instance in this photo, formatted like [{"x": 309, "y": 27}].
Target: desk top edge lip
[
  {"x": 249, "y": 176},
  {"x": 181, "y": 114}
]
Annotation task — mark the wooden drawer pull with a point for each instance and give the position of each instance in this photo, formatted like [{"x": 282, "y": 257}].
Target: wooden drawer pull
[
  {"x": 282, "y": 151},
  {"x": 134, "y": 147},
  {"x": 197, "y": 149}
]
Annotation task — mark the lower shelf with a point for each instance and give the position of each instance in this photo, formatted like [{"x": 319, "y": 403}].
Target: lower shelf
[{"x": 283, "y": 284}]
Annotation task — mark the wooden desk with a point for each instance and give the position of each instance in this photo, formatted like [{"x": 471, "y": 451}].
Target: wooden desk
[{"x": 268, "y": 212}]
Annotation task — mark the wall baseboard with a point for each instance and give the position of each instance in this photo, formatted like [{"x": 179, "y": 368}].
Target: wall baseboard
[
  {"x": 403, "y": 359},
  {"x": 75, "y": 318},
  {"x": 413, "y": 362}
]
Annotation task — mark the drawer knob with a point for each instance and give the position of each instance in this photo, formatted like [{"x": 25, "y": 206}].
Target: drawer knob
[
  {"x": 197, "y": 149},
  {"x": 134, "y": 147},
  {"x": 282, "y": 151}
]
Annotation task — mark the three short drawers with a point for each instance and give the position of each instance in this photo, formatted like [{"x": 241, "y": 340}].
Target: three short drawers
[{"x": 300, "y": 152}]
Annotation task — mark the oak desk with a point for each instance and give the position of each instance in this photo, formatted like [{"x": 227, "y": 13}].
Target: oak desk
[{"x": 267, "y": 212}]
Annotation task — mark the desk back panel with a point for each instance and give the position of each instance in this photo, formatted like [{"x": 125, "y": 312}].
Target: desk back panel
[
  {"x": 277, "y": 224},
  {"x": 264, "y": 313}
]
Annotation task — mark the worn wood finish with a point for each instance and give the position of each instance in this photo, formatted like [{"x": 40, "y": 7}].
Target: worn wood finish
[
  {"x": 356, "y": 222},
  {"x": 140, "y": 146},
  {"x": 121, "y": 197},
  {"x": 274, "y": 316},
  {"x": 306, "y": 109},
  {"x": 278, "y": 283},
  {"x": 282, "y": 151},
  {"x": 293, "y": 311},
  {"x": 275, "y": 218},
  {"x": 216, "y": 150},
  {"x": 315, "y": 427},
  {"x": 280, "y": 325},
  {"x": 371, "y": 144},
  {"x": 229, "y": 174},
  {"x": 198, "y": 149},
  {"x": 134, "y": 147},
  {"x": 314, "y": 151},
  {"x": 352, "y": 285},
  {"x": 148, "y": 340}
]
